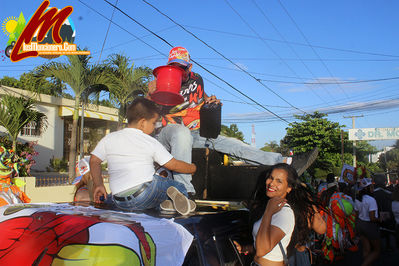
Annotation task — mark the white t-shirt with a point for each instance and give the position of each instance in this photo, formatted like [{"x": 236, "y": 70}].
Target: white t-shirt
[
  {"x": 395, "y": 210},
  {"x": 131, "y": 155},
  {"x": 365, "y": 206},
  {"x": 285, "y": 220}
]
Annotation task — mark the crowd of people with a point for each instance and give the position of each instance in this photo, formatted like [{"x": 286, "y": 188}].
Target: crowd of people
[
  {"x": 294, "y": 226},
  {"x": 288, "y": 219}
]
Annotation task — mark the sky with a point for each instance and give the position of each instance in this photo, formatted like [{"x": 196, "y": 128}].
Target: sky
[{"x": 265, "y": 60}]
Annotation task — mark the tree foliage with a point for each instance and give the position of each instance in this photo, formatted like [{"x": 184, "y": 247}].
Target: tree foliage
[
  {"x": 232, "y": 131},
  {"x": 315, "y": 130},
  {"x": 36, "y": 84},
  {"x": 84, "y": 79},
  {"x": 271, "y": 146},
  {"x": 389, "y": 161},
  {"x": 130, "y": 82},
  {"x": 15, "y": 113}
]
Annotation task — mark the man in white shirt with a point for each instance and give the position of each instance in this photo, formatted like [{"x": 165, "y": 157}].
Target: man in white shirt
[{"x": 131, "y": 153}]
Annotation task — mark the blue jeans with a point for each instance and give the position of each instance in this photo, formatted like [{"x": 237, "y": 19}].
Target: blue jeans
[
  {"x": 300, "y": 258},
  {"x": 152, "y": 196},
  {"x": 179, "y": 141}
]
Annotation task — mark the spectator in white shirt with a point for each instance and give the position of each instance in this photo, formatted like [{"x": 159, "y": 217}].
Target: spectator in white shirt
[{"x": 367, "y": 222}]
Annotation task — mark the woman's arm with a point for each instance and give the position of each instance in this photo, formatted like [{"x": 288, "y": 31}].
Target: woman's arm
[
  {"x": 318, "y": 224},
  {"x": 372, "y": 217},
  {"x": 269, "y": 235},
  {"x": 243, "y": 249}
]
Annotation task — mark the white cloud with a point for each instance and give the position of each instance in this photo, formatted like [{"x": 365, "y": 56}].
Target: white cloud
[{"x": 344, "y": 108}]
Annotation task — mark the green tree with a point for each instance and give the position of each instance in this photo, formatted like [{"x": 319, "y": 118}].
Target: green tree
[
  {"x": 363, "y": 150},
  {"x": 314, "y": 130},
  {"x": 15, "y": 113},
  {"x": 271, "y": 146},
  {"x": 232, "y": 132},
  {"x": 130, "y": 82},
  {"x": 389, "y": 161},
  {"x": 38, "y": 84},
  {"x": 31, "y": 82},
  {"x": 10, "y": 82},
  {"x": 84, "y": 79}
]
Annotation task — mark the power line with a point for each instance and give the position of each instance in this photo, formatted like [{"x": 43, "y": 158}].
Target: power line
[
  {"x": 364, "y": 107},
  {"x": 292, "y": 49},
  {"x": 133, "y": 40},
  {"x": 220, "y": 55},
  {"x": 122, "y": 28},
  {"x": 16, "y": 65},
  {"x": 205, "y": 68},
  {"x": 333, "y": 83},
  {"x": 295, "y": 43},
  {"x": 106, "y": 34},
  {"x": 307, "y": 41},
  {"x": 172, "y": 46}
]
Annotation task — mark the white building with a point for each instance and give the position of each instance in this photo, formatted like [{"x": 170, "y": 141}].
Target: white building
[
  {"x": 54, "y": 141},
  {"x": 373, "y": 158}
]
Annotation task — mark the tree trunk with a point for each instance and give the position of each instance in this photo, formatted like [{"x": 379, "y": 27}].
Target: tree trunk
[
  {"x": 14, "y": 144},
  {"x": 72, "y": 147},
  {"x": 120, "y": 124},
  {"x": 121, "y": 116}
]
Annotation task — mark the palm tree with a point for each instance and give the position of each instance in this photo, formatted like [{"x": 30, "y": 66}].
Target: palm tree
[
  {"x": 130, "y": 83},
  {"x": 15, "y": 113},
  {"x": 271, "y": 146},
  {"x": 83, "y": 79}
]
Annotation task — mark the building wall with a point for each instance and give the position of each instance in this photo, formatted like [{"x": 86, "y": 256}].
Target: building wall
[
  {"x": 54, "y": 194},
  {"x": 51, "y": 142}
]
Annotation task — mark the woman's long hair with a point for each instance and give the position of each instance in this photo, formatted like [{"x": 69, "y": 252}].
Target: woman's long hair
[
  {"x": 326, "y": 196},
  {"x": 364, "y": 191},
  {"x": 301, "y": 200}
]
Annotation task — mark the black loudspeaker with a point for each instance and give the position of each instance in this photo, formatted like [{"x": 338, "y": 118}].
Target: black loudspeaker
[{"x": 210, "y": 120}]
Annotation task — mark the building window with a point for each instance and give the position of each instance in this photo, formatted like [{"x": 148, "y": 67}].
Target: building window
[{"x": 30, "y": 129}]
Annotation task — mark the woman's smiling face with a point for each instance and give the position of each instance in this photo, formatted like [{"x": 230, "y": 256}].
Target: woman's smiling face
[{"x": 277, "y": 184}]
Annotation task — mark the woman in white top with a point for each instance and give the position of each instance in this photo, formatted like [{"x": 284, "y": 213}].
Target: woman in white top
[
  {"x": 277, "y": 222},
  {"x": 367, "y": 222}
]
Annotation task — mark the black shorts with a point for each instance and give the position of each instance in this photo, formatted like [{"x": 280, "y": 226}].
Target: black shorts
[{"x": 368, "y": 229}]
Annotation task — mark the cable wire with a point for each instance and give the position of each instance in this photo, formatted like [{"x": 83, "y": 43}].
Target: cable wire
[
  {"x": 213, "y": 49},
  {"x": 295, "y": 43},
  {"x": 106, "y": 34},
  {"x": 263, "y": 107},
  {"x": 293, "y": 50},
  {"x": 307, "y": 41}
]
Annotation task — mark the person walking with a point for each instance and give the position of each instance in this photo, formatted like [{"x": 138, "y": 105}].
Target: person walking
[{"x": 367, "y": 222}]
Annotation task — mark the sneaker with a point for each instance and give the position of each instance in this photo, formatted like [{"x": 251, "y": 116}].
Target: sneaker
[
  {"x": 302, "y": 161},
  {"x": 167, "y": 205},
  {"x": 180, "y": 202}
]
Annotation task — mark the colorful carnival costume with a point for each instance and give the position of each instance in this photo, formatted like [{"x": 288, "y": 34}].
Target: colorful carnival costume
[
  {"x": 340, "y": 218},
  {"x": 9, "y": 184}
]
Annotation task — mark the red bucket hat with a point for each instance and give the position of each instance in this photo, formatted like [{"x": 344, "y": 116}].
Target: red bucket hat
[{"x": 179, "y": 55}]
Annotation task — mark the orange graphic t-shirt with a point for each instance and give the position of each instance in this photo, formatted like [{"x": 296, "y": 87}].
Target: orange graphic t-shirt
[{"x": 188, "y": 112}]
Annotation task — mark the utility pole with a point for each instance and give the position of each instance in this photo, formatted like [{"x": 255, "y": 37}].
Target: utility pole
[
  {"x": 253, "y": 136},
  {"x": 354, "y": 142},
  {"x": 82, "y": 123}
]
